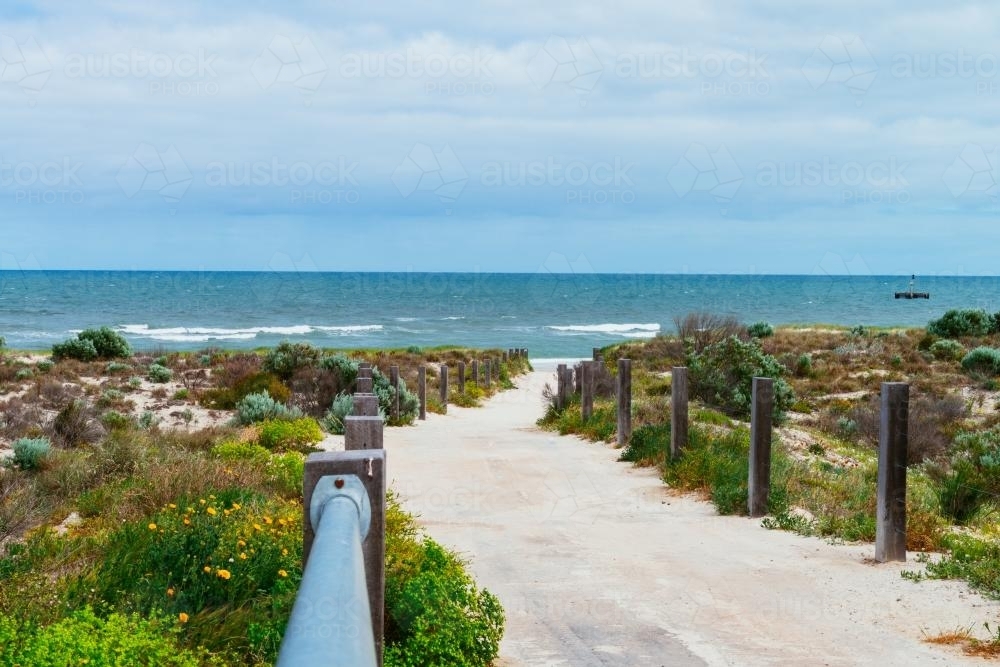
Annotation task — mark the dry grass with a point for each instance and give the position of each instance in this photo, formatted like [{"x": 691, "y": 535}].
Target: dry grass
[{"x": 971, "y": 645}]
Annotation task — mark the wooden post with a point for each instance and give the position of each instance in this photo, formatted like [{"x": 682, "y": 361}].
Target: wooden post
[
  {"x": 624, "y": 386},
  {"x": 561, "y": 388},
  {"x": 369, "y": 467},
  {"x": 487, "y": 373},
  {"x": 394, "y": 382},
  {"x": 678, "y": 410},
  {"x": 496, "y": 369},
  {"x": 587, "y": 396},
  {"x": 461, "y": 377},
  {"x": 761, "y": 411},
  {"x": 422, "y": 390},
  {"x": 475, "y": 372},
  {"x": 443, "y": 386},
  {"x": 597, "y": 353},
  {"x": 505, "y": 357},
  {"x": 578, "y": 379},
  {"x": 893, "y": 440}
]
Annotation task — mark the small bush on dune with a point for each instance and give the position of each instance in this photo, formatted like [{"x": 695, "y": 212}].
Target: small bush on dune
[
  {"x": 160, "y": 374},
  {"x": 345, "y": 367},
  {"x": 957, "y": 323},
  {"x": 31, "y": 453},
  {"x": 339, "y": 409},
  {"x": 947, "y": 349},
  {"x": 982, "y": 361},
  {"x": 290, "y": 434},
  {"x": 704, "y": 329},
  {"x": 287, "y": 358},
  {"x": 76, "y": 424},
  {"x": 241, "y": 451},
  {"x": 760, "y": 330},
  {"x": 722, "y": 375},
  {"x": 103, "y": 343},
  {"x": 256, "y": 408},
  {"x": 648, "y": 445},
  {"x": 226, "y": 398}
]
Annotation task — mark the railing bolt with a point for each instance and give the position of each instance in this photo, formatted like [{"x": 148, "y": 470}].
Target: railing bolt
[{"x": 339, "y": 483}]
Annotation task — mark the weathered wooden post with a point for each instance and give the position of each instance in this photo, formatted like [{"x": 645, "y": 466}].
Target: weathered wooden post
[
  {"x": 443, "y": 386},
  {"x": 578, "y": 379},
  {"x": 678, "y": 410},
  {"x": 893, "y": 440},
  {"x": 761, "y": 411},
  {"x": 561, "y": 388},
  {"x": 587, "y": 396},
  {"x": 475, "y": 372},
  {"x": 487, "y": 373},
  {"x": 394, "y": 381},
  {"x": 461, "y": 377},
  {"x": 496, "y": 369},
  {"x": 422, "y": 390},
  {"x": 505, "y": 357},
  {"x": 368, "y": 469},
  {"x": 597, "y": 354},
  {"x": 624, "y": 386}
]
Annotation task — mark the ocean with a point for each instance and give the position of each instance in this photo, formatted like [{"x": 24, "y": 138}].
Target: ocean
[{"x": 554, "y": 315}]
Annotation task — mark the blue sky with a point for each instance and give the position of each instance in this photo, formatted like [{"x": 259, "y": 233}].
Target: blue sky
[{"x": 762, "y": 137}]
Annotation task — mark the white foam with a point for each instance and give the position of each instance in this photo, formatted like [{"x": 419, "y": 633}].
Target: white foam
[
  {"x": 203, "y": 334},
  {"x": 609, "y": 328}
]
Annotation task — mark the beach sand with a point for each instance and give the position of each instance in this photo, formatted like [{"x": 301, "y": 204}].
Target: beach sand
[{"x": 599, "y": 563}]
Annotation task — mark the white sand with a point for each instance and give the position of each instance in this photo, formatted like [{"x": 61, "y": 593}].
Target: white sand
[{"x": 598, "y": 563}]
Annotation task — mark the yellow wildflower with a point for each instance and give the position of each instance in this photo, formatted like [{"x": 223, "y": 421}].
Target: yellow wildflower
[
  {"x": 182, "y": 617},
  {"x": 201, "y": 500},
  {"x": 267, "y": 520},
  {"x": 152, "y": 526},
  {"x": 284, "y": 552},
  {"x": 241, "y": 543},
  {"x": 211, "y": 511},
  {"x": 282, "y": 573},
  {"x": 256, "y": 526},
  {"x": 172, "y": 506},
  {"x": 170, "y": 592},
  {"x": 187, "y": 521},
  {"x": 236, "y": 506},
  {"x": 207, "y": 568},
  {"x": 243, "y": 556},
  {"x": 223, "y": 574}
]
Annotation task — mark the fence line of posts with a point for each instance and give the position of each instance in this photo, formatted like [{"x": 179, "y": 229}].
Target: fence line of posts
[
  {"x": 338, "y": 615},
  {"x": 890, "y": 540}
]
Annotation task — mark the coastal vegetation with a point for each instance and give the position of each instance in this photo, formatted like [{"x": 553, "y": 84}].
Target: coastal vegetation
[
  {"x": 824, "y": 465},
  {"x": 151, "y": 506}
]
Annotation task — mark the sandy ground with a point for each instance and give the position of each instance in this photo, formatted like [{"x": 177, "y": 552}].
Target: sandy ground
[{"x": 597, "y": 563}]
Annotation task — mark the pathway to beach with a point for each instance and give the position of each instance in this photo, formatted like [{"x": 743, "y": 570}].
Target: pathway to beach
[{"x": 597, "y": 563}]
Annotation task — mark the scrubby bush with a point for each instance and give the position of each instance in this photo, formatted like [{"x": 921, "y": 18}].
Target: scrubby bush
[
  {"x": 103, "y": 343},
  {"x": 859, "y": 331},
  {"x": 648, "y": 445},
  {"x": 346, "y": 367},
  {"x": 84, "y": 638},
  {"x": 255, "y": 408},
  {"x": 956, "y": 323},
  {"x": 339, "y": 409},
  {"x": 290, "y": 434},
  {"x": 722, "y": 375},
  {"x": 760, "y": 330},
  {"x": 241, "y": 451},
  {"x": 30, "y": 453},
  {"x": 148, "y": 420},
  {"x": 803, "y": 365},
  {"x": 76, "y": 424},
  {"x": 159, "y": 374},
  {"x": 287, "y": 358},
  {"x": 982, "y": 361},
  {"x": 226, "y": 398},
  {"x": 117, "y": 367},
  {"x": 947, "y": 349},
  {"x": 24, "y": 374},
  {"x": 116, "y": 421},
  {"x": 703, "y": 329},
  {"x": 74, "y": 348},
  {"x": 45, "y": 365}
]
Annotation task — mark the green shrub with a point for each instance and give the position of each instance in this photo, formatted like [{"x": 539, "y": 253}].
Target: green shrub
[
  {"x": 947, "y": 349},
  {"x": 116, "y": 421},
  {"x": 287, "y": 358},
  {"x": 255, "y": 408},
  {"x": 956, "y": 323},
  {"x": 334, "y": 419},
  {"x": 24, "y": 374},
  {"x": 45, "y": 365},
  {"x": 414, "y": 349},
  {"x": 135, "y": 382},
  {"x": 181, "y": 395},
  {"x": 974, "y": 559},
  {"x": 347, "y": 368},
  {"x": 760, "y": 330},
  {"x": 159, "y": 374},
  {"x": 83, "y": 638},
  {"x": 74, "y": 348},
  {"x": 148, "y": 420},
  {"x": 982, "y": 361},
  {"x": 859, "y": 331},
  {"x": 722, "y": 375},
  {"x": 241, "y": 451},
  {"x": 290, "y": 434},
  {"x": 109, "y": 343},
  {"x": 437, "y": 615},
  {"x": 648, "y": 445},
  {"x": 30, "y": 453},
  {"x": 117, "y": 367},
  {"x": 285, "y": 472},
  {"x": 804, "y": 365}
]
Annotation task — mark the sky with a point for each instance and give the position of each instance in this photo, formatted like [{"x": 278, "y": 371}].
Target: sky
[{"x": 636, "y": 136}]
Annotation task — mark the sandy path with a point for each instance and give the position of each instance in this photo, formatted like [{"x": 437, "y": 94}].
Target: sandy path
[{"x": 597, "y": 564}]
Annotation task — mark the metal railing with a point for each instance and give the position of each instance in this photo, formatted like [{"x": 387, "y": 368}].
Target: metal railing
[{"x": 330, "y": 623}]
